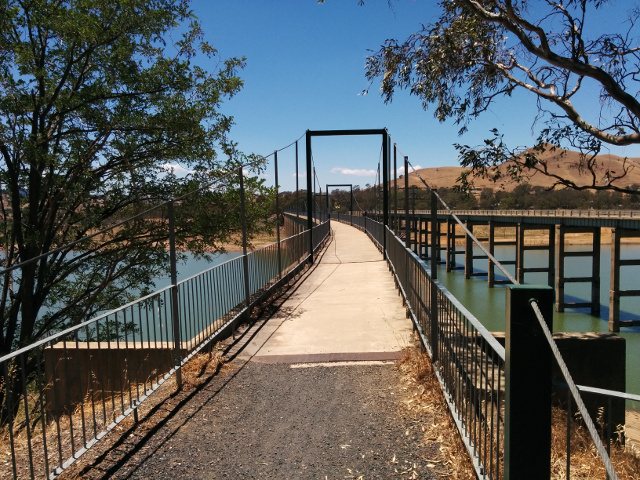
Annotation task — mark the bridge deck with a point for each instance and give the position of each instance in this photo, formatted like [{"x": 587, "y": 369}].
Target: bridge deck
[
  {"x": 278, "y": 410},
  {"x": 347, "y": 309}
]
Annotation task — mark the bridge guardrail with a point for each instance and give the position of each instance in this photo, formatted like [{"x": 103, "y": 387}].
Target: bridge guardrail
[
  {"x": 469, "y": 362},
  {"x": 89, "y": 378},
  {"x": 587, "y": 213},
  {"x": 559, "y": 212}
]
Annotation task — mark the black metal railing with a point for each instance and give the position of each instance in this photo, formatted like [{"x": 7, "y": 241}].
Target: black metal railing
[
  {"x": 89, "y": 378},
  {"x": 469, "y": 361}
]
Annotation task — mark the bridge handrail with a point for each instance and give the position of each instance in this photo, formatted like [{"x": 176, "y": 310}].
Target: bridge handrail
[
  {"x": 604, "y": 456},
  {"x": 454, "y": 368},
  {"x": 575, "y": 392},
  {"x": 524, "y": 213},
  {"x": 102, "y": 369},
  {"x": 462, "y": 310}
]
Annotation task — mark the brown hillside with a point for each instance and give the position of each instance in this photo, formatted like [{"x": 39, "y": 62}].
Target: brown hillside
[{"x": 561, "y": 162}]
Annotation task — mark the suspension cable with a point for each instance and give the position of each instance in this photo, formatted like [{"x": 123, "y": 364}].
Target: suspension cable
[{"x": 284, "y": 148}]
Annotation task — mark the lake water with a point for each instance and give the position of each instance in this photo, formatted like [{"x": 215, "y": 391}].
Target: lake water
[
  {"x": 488, "y": 304},
  {"x": 192, "y": 266}
]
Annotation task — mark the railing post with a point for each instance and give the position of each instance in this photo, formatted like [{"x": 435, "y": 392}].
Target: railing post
[
  {"x": 310, "y": 193},
  {"x": 396, "y": 222},
  {"x": 275, "y": 161},
  {"x": 297, "y": 184},
  {"x": 175, "y": 311},
  {"x": 385, "y": 191},
  {"x": 407, "y": 223},
  {"x": 527, "y": 425},
  {"x": 245, "y": 257},
  {"x": 434, "y": 276},
  {"x": 407, "y": 230},
  {"x": 351, "y": 205}
]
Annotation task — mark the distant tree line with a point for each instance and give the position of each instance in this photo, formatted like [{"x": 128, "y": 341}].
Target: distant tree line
[{"x": 524, "y": 196}]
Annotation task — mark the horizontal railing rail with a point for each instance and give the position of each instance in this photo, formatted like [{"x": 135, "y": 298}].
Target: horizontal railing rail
[
  {"x": 560, "y": 212},
  {"x": 87, "y": 379}
]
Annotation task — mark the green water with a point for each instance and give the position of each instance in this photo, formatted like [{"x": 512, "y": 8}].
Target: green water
[{"x": 488, "y": 304}]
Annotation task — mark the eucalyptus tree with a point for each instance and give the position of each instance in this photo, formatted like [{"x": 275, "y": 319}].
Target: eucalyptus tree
[
  {"x": 97, "y": 99},
  {"x": 583, "y": 77}
]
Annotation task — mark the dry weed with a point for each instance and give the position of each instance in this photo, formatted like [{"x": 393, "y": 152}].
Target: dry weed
[
  {"x": 585, "y": 461},
  {"x": 426, "y": 402},
  {"x": 201, "y": 366},
  {"x": 61, "y": 444}
]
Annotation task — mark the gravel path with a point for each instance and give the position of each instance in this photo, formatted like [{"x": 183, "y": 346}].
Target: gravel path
[
  {"x": 255, "y": 420},
  {"x": 286, "y": 421}
]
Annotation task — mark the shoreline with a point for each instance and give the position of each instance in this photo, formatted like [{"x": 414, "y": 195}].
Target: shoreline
[{"x": 535, "y": 238}]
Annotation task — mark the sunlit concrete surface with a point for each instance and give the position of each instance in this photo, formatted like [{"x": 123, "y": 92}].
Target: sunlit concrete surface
[{"x": 348, "y": 308}]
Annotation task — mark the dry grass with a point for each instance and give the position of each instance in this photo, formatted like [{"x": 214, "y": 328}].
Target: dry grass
[
  {"x": 201, "y": 366},
  {"x": 61, "y": 444},
  {"x": 585, "y": 461},
  {"x": 426, "y": 403}
]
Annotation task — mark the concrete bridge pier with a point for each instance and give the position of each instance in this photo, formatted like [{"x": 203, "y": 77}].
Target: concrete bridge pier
[
  {"x": 593, "y": 279},
  {"x": 412, "y": 233},
  {"x": 615, "y": 292},
  {"x": 420, "y": 240},
  {"x": 469, "y": 256},
  {"x": 424, "y": 238},
  {"x": 492, "y": 250},
  {"x": 522, "y": 247},
  {"x": 427, "y": 238},
  {"x": 426, "y": 235},
  {"x": 441, "y": 237},
  {"x": 452, "y": 250}
]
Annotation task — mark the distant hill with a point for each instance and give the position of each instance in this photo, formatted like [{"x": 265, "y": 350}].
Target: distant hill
[{"x": 561, "y": 162}]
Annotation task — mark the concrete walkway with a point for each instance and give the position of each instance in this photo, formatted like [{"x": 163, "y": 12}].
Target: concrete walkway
[
  {"x": 347, "y": 309},
  {"x": 310, "y": 392}
]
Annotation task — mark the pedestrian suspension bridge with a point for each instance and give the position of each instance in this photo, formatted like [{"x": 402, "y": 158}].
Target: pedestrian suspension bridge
[{"x": 374, "y": 281}]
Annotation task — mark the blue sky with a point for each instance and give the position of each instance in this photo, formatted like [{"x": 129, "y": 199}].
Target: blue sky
[{"x": 305, "y": 70}]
